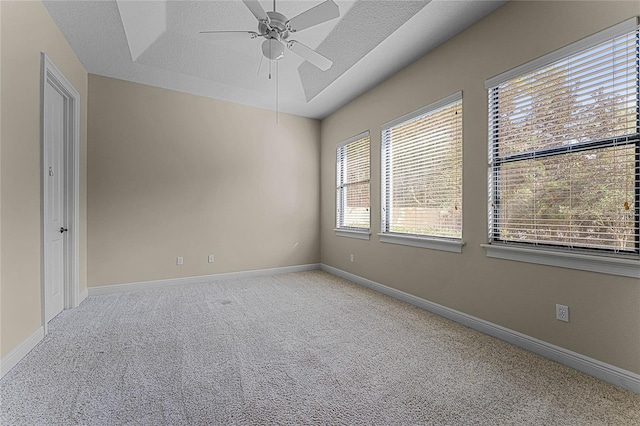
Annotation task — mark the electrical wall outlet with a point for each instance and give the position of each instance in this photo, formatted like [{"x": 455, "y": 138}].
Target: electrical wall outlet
[
  {"x": 210, "y": 258},
  {"x": 180, "y": 261},
  {"x": 562, "y": 313},
  {"x": 351, "y": 258}
]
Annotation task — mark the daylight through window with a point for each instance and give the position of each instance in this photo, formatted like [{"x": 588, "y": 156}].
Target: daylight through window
[
  {"x": 422, "y": 172},
  {"x": 564, "y": 151},
  {"x": 353, "y": 183}
]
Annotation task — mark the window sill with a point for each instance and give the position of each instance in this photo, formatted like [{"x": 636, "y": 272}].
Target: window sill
[
  {"x": 360, "y": 234},
  {"x": 585, "y": 262},
  {"x": 454, "y": 246}
]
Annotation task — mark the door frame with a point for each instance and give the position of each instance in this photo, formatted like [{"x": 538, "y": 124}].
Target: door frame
[{"x": 50, "y": 74}]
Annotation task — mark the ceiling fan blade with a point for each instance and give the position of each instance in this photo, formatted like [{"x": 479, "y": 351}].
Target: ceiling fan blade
[
  {"x": 310, "y": 55},
  {"x": 228, "y": 35},
  {"x": 257, "y": 10},
  {"x": 316, "y": 15}
]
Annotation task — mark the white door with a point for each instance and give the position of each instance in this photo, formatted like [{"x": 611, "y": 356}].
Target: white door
[{"x": 54, "y": 201}]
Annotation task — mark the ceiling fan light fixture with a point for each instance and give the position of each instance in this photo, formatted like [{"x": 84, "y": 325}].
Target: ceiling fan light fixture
[
  {"x": 275, "y": 28},
  {"x": 273, "y": 49}
]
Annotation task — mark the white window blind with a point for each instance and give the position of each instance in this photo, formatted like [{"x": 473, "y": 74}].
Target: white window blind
[
  {"x": 422, "y": 171},
  {"x": 353, "y": 183},
  {"x": 564, "y": 151}
]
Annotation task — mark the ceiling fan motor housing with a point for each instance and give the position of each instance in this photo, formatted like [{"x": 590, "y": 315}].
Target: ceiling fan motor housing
[
  {"x": 276, "y": 27},
  {"x": 275, "y": 32}
]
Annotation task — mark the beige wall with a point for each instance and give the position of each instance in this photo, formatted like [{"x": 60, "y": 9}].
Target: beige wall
[
  {"x": 605, "y": 319},
  {"x": 27, "y": 29},
  {"x": 172, "y": 174}
]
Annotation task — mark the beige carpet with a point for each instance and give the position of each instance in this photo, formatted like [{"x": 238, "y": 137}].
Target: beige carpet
[{"x": 304, "y": 348}]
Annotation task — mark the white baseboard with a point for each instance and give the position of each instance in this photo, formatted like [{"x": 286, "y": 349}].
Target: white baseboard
[
  {"x": 83, "y": 296},
  {"x": 20, "y": 351},
  {"x": 146, "y": 285},
  {"x": 607, "y": 372}
]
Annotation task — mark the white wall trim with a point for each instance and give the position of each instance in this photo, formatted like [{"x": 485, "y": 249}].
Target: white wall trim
[
  {"x": 601, "y": 370},
  {"x": 20, "y": 351},
  {"x": 147, "y": 285},
  {"x": 360, "y": 234},
  {"x": 357, "y": 137},
  {"x": 50, "y": 74},
  {"x": 454, "y": 246},
  {"x": 564, "y": 259},
  {"x": 593, "y": 40},
  {"x": 83, "y": 296},
  {"x": 454, "y": 97}
]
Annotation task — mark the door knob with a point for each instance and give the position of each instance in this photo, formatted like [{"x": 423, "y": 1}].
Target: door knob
[{"x": 62, "y": 229}]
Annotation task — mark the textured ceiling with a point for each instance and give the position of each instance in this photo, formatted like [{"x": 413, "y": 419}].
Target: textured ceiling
[
  {"x": 359, "y": 31},
  {"x": 157, "y": 43}
]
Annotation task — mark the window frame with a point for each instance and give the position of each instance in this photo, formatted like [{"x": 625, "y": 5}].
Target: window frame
[
  {"x": 348, "y": 231},
  {"x": 606, "y": 261},
  {"x": 449, "y": 244}
]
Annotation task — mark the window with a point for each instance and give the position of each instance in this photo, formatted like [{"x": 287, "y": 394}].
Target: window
[
  {"x": 422, "y": 176},
  {"x": 564, "y": 148},
  {"x": 353, "y": 187}
]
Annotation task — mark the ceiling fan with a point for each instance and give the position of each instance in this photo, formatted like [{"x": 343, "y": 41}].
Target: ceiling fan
[{"x": 276, "y": 29}]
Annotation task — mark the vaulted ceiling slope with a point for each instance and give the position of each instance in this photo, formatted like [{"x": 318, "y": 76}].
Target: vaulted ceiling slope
[{"x": 158, "y": 43}]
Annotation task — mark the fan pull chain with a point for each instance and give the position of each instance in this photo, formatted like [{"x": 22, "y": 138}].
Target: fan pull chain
[
  {"x": 270, "y": 61},
  {"x": 277, "y": 87}
]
